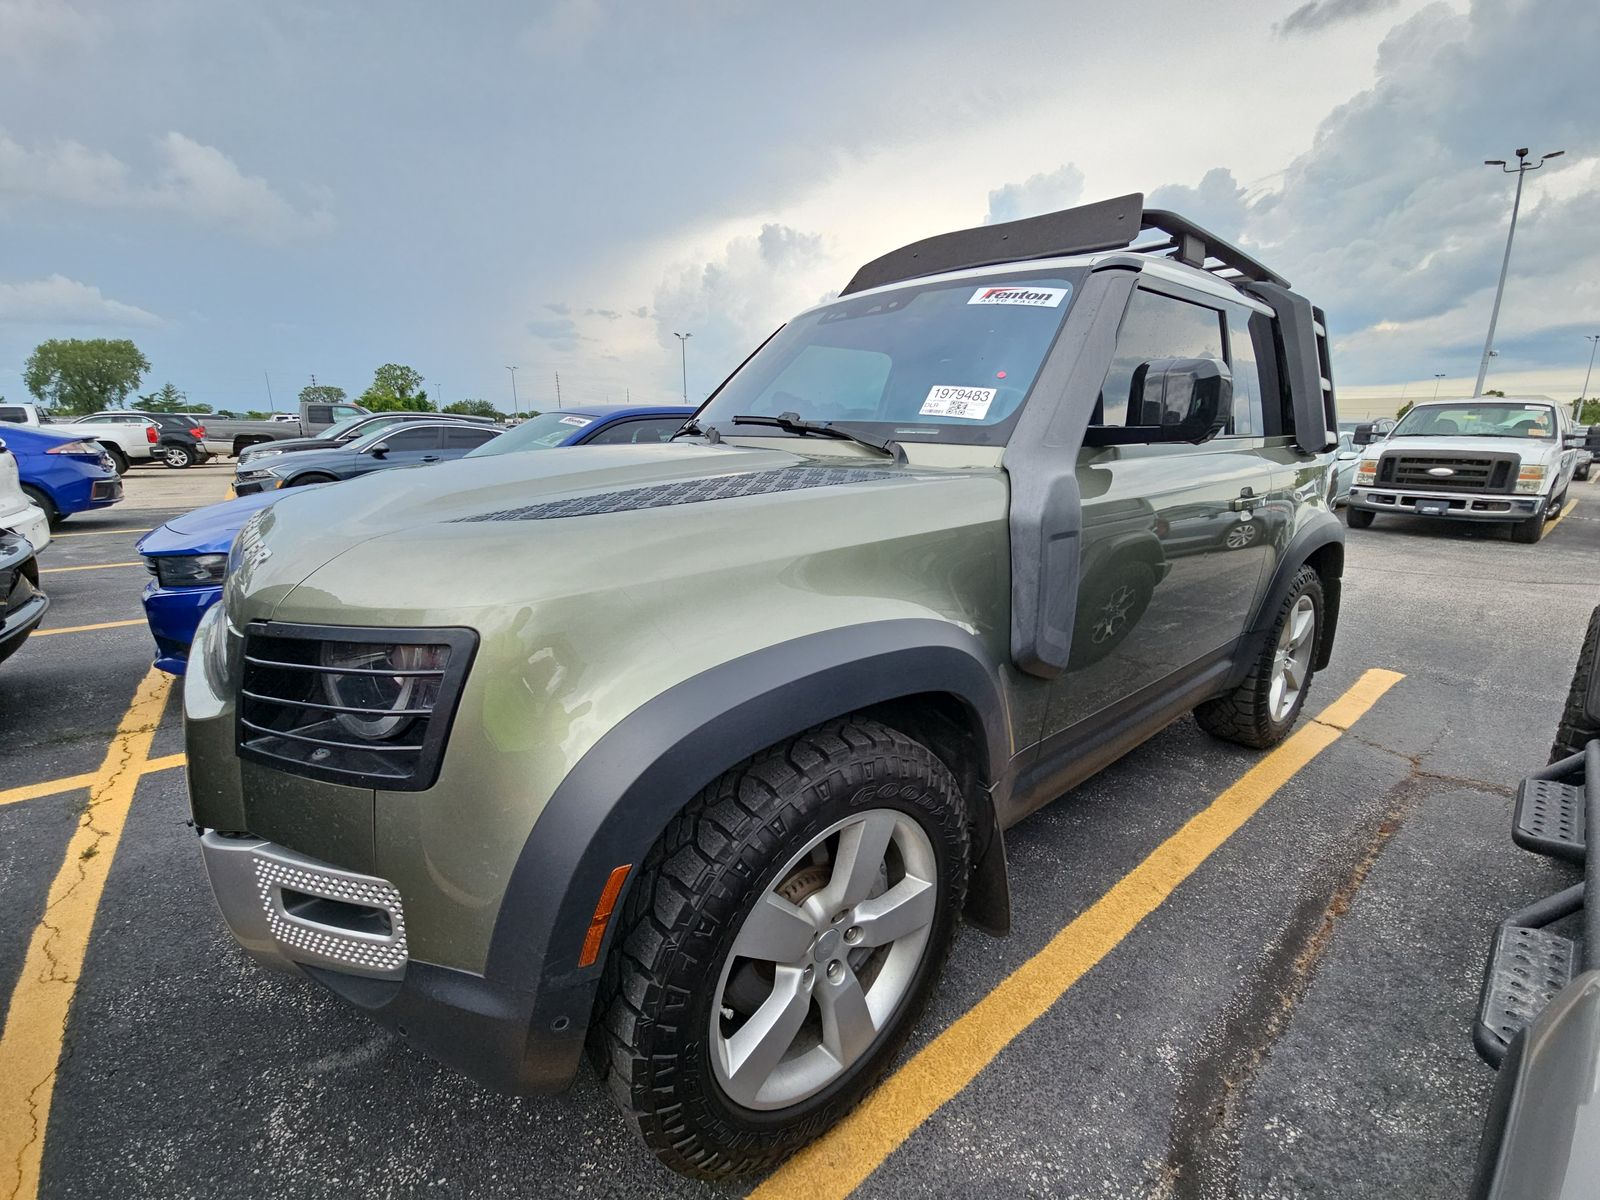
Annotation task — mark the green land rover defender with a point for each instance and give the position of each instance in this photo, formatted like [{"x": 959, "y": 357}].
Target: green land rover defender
[{"x": 694, "y": 754}]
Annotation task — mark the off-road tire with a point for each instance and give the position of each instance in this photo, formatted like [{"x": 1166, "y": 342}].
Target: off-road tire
[
  {"x": 649, "y": 1040},
  {"x": 1358, "y": 518},
  {"x": 1575, "y": 732},
  {"x": 177, "y": 457},
  {"x": 1244, "y": 715},
  {"x": 1530, "y": 531},
  {"x": 119, "y": 460}
]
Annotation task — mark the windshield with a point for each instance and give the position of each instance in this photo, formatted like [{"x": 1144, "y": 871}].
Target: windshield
[
  {"x": 949, "y": 361},
  {"x": 536, "y": 433},
  {"x": 344, "y": 426},
  {"x": 1478, "y": 420}
]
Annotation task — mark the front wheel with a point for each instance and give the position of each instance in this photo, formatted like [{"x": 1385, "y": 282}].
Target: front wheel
[
  {"x": 1530, "y": 531},
  {"x": 780, "y": 940},
  {"x": 1260, "y": 711},
  {"x": 177, "y": 456},
  {"x": 1358, "y": 518}
]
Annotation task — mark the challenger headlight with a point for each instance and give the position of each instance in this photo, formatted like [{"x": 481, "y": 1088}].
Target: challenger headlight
[
  {"x": 190, "y": 570},
  {"x": 1367, "y": 472},
  {"x": 1531, "y": 478},
  {"x": 378, "y": 690}
]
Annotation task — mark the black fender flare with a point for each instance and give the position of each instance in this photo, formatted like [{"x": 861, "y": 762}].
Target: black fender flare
[
  {"x": 616, "y": 801},
  {"x": 1321, "y": 539}
]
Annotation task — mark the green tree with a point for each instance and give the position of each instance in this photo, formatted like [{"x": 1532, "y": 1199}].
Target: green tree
[
  {"x": 395, "y": 388},
  {"x": 474, "y": 408},
  {"x": 1590, "y": 413},
  {"x": 1406, "y": 407},
  {"x": 77, "y": 375},
  {"x": 321, "y": 393},
  {"x": 1494, "y": 392},
  {"x": 168, "y": 399}
]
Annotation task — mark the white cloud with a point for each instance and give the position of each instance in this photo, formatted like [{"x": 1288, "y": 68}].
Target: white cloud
[
  {"x": 58, "y": 300},
  {"x": 194, "y": 181},
  {"x": 1317, "y": 15},
  {"x": 29, "y": 28},
  {"x": 1042, "y": 193}
]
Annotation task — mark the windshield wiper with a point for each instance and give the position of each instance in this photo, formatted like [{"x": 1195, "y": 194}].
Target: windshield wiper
[
  {"x": 790, "y": 422},
  {"x": 695, "y": 429}
]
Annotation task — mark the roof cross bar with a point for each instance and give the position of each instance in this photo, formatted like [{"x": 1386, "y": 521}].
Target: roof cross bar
[{"x": 1113, "y": 224}]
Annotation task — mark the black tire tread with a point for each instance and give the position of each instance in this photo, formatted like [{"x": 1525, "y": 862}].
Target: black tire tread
[
  {"x": 1575, "y": 732},
  {"x": 1243, "y": 715},
  {"x": 716, "y": 833}
]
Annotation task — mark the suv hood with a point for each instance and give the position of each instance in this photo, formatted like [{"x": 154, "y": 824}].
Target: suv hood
[
  {"x": 1528, "y": 449},
  {"x": 514, "y": 522}
]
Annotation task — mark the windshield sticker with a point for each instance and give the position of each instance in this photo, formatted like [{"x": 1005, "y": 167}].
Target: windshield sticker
[
  {"x": 580, "y": 422},
  {"x": 1032, "y": 297},
  {"x": 969, "y": 403}
]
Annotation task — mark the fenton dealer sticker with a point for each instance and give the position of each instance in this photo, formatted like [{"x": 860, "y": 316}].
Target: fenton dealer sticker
[
  {"x": 969, "y": 403},
  {"x": 580, "y": 422},
  {"x": 1032, "y": 297}
]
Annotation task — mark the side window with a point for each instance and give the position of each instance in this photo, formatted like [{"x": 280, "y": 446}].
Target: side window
[
  {"x": 319, "y": 414},
  {"x": 1248, "y": 415},
  {"x": 648, "y": 432},
  {"x": 1155, "y": 326},
  {"x": 467, "y": 439},
  {"x": 92, "y": 420},
  {"x": 412, "y": 439},
  {"x": 343, "y": 412},
  {"x": 13, "y": 416}
]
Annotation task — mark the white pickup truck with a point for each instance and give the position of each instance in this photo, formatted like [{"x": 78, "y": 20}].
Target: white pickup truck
[
  {"x": 127, "y": 437},
  {"x": 1502, "y": 459}
]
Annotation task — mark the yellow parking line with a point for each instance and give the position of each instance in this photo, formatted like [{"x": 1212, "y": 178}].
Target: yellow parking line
[
  {"x": 71, "y": 783},
  {"x": 836, "y": 1164},
  {"x": 90, "y": 567},
  {"x": 36, "y": 1020},
  {"x": 87, "y": 628},
  {"x": 96, "y": 533},
  {"x": 1565, "y": 513}
]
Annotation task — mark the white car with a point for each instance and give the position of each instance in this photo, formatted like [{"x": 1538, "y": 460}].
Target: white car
[
  {"x": 1486, "y": 459},
  {"x": 128, "y": 437},
  {"x": 17, "y": 512}
]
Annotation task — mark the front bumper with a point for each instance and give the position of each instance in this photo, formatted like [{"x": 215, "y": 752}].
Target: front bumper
[
  {"x": 173, "y": 615},
  {"x": 1458, "y": 506},
  {"x": 346, "y": 931},
  {"x": 22, "y": 605},
  {"x": 248, "y": 487}
]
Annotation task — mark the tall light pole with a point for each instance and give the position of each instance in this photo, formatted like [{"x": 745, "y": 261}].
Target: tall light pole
[
  {"x": 515, "y": 408},
  {"x": 1438, "y": 378},
  {"x": 1594, "y": 344},
  {"x": 683, "y": 353},
  {"x": 1520, "y": 170}
]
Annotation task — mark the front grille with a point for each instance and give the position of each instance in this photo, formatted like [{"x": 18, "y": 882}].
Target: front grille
[
  {"x": 358, "y": 706},
  {"x": 1467, "y": 472}
]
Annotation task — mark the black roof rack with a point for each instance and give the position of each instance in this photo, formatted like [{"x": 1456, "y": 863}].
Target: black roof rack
[{"x": 1114, "y": 224}]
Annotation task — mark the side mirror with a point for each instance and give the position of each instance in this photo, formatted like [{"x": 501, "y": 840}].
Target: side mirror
[
  {"x": 1172, "y": 400},
  {"x": 1576, "y": 441},
  {"x": 1365, "y": 434},
  {"x": 1347, "y": 456},
  {"x": 378, "y": 451}
]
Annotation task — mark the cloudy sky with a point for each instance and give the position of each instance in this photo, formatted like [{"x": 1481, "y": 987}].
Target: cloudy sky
[{"x": 279, "y": 190}]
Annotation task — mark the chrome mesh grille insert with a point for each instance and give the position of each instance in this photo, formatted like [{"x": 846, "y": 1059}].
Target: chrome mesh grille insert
[
  {"x": 691, "y": 491},
  {"x": 320, "y": 942}
]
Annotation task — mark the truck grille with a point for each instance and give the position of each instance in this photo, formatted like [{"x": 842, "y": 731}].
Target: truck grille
[
  {"x": 363, "y": 707},
  {"x": 1466, "y": 472}
]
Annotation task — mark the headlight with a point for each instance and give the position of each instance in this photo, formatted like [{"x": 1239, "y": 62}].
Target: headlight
[
  {"x": 384, "y": 688},
  {"x": 1531, "y": 478},
  {"x": 1367, "y": 472},
  {"x": 78, "y": 447},
  {"x": 190, "y": 570},
  {"x": 251, "y": 476},
  {"x": 257, "y": 455}
]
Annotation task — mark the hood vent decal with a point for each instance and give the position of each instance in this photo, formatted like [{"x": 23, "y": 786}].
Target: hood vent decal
[{"x": 690, "y": 491}]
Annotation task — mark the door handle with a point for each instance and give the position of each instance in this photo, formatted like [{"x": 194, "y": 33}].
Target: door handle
[{"x": 1247, "y": 501}]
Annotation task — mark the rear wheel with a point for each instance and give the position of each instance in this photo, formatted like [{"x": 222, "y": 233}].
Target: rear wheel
[
  {"x": 1358, "y": 518},
  {"x": 1582, "y": 475},
  {"x": 780, "y": 939},
  {"x": 1576, "y": 730},
  {"x": 119, "y": 460},
  {"x": 42, "y": 499},
  {"x": 1261, "y": 710},
  {"x": 177, "y": 456}
]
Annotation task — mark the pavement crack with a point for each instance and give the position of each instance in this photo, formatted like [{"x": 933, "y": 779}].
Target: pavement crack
[{"x": 1203, "y": 1153}]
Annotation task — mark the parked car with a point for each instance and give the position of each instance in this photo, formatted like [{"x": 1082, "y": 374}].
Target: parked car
[
  {"x": 127, "y": 437},
  {"x": 1345, "y": 459},
  {"x": 62, "y": 475},
  {"x": 1539, "y": 1008},
  {"x": 22, "y": 601},
  {"x": 594, "y": 425},
  {"x": 349, "y": 430},
  {"x": 1587, "y": 448},
  {"x": 181, "y": 439},
  {"x": 187, "y": 559},
  {"x": 1487, "y": 460},
  {"x": 311, "y": 420},
  {"x": 698, "y": 751},
  {"x": 18, "y": 512},
  {"x": 409, "y": 445}
]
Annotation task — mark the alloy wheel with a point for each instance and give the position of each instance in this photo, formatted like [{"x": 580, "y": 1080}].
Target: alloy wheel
[
  {"x": 826, "y": 955},
  {"x": 1291, "y": 662}
]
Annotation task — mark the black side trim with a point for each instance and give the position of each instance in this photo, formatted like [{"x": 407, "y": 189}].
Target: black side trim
[{"x": 615, "y": 802}]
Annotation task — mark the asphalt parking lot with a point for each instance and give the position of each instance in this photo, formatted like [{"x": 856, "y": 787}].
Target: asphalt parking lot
[{"x": 1228, "y": 976}]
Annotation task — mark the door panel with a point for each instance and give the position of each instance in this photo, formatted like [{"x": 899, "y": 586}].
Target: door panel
[{"x": 1175, "y": 543}]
